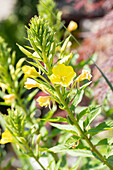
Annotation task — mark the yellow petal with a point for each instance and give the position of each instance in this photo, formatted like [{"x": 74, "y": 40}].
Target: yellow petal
[
  {"x": 9, "y": 98},
  {"x": 30, "y": 71},
  {"x": 43, "y": 100},
  {"x": 6, "y": 137},
  {"x": 62, "y": 75},
  {"x": 30, "y": 83},
  {"x": 85, "y": 75}
]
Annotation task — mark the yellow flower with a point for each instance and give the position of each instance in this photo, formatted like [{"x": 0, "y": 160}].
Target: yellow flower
[
  {"x": 85, "y": 75},
  {"x": 72, "y": 26},
  {"x": 6, "y": 137},
  {"x": 9, "y": 98},
  {"x": 30, "y": 83},
  {"x": 43, "y": 100},
  {"x": 30, "y": 71},
  {"x": 62, "y": 75}
]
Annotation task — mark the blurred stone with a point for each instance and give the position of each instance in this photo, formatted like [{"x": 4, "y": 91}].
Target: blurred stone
[{"x": 6, "y": 8}]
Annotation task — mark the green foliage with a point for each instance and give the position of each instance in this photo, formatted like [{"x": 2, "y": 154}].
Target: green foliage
[{"x": 46, "y": 9}]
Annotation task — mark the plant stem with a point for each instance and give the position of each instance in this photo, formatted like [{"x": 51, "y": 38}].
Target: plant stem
[
  {"x": 81, "y": 131},
  {"x": 35, "y": 157},
  {"x": 38, "y": 162}
]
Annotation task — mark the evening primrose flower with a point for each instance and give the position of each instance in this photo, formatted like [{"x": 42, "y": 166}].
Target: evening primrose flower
[
  {"x": 62, "y": 75},
  {"x": 85, "y": 75},
  {"x": 43, "y": 100},
  {"x": 6, "y": 137},
  {"x": 9, "y": 98},
  {"x": 30, "y": 83},
  {"x": 30, "y": 71},
  {"x": 72, "y": 26}
]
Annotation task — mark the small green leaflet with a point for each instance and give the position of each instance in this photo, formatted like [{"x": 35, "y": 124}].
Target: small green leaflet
[
  {"x": 87, "y": 110},
  {"x": 71, "y": 140},
  {"x": 101, "y": 127},
  {"x": 77, "y": 98}
]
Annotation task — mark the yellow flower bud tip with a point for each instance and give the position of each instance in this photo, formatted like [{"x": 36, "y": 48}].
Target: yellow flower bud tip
[
  {"x": 43, "y": 100},
  {"x": 30, "y": 83},
  {"x": 72, "y": 26},
  {"x": 6, "y": 137},
  {"x": 85, "y": 75},
  {"x": 62, "y": 75},
  {"x": 9, "y": 98},
  {"x": 30, "y": 71}
]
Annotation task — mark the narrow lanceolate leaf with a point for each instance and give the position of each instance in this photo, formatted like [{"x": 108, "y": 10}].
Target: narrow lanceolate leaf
[
  {"x": 19, "y": 63},
  {"x": 73, "y": 152},
  {"x": 32, "y": 94},
  {"x": 91, "y": 116},
  {"x": 101, "y": 127},
  {"x": 108, "y": 82},
  {"x": 59, "y": 149},
  {"x": 26, "y": 52},
  {"x": 68, "y": 128},
  {"x": 81, "y": 153},
  {"x": 56, "y": 119},
  {"x": 78, "y": 98},
  {"x": 85, "y": 85},
  {"x": 106, "y": 141}
]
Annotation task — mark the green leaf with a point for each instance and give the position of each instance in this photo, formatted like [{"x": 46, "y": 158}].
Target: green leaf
[
  {"x": 26, "y": 52},
  {"x": 56, "y": 119},
  {"x": 106, "y": 141},
  {"x": 106, "y": 79},
  {"x": 19, "y": 63},
  {"x": 78, "y": 98},
  {"x": 59, "y": 149},
  {"x": 68, "y": 128},
  {"x": 51, "y": 161},
  {"x": 85, "y": 85},
  {"x": 32, "y": 94},
  {"x": 110, "y": 160},
  {"x": 38, "y": 65},
  {"x": 87, "y": 110},
  {"x": 73, "y": 152},
  {"x": 101, "y": 127},
  {"x": 91, "y": 116},
  {"x": 81, "y": 153},
  {"x": 57, "y": 167},
  {"x": 5, "y": 104},
  {"x": 71, "y": 140}
]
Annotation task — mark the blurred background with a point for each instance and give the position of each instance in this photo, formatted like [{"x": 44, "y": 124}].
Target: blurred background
[{"x": 95, "y": 34}]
